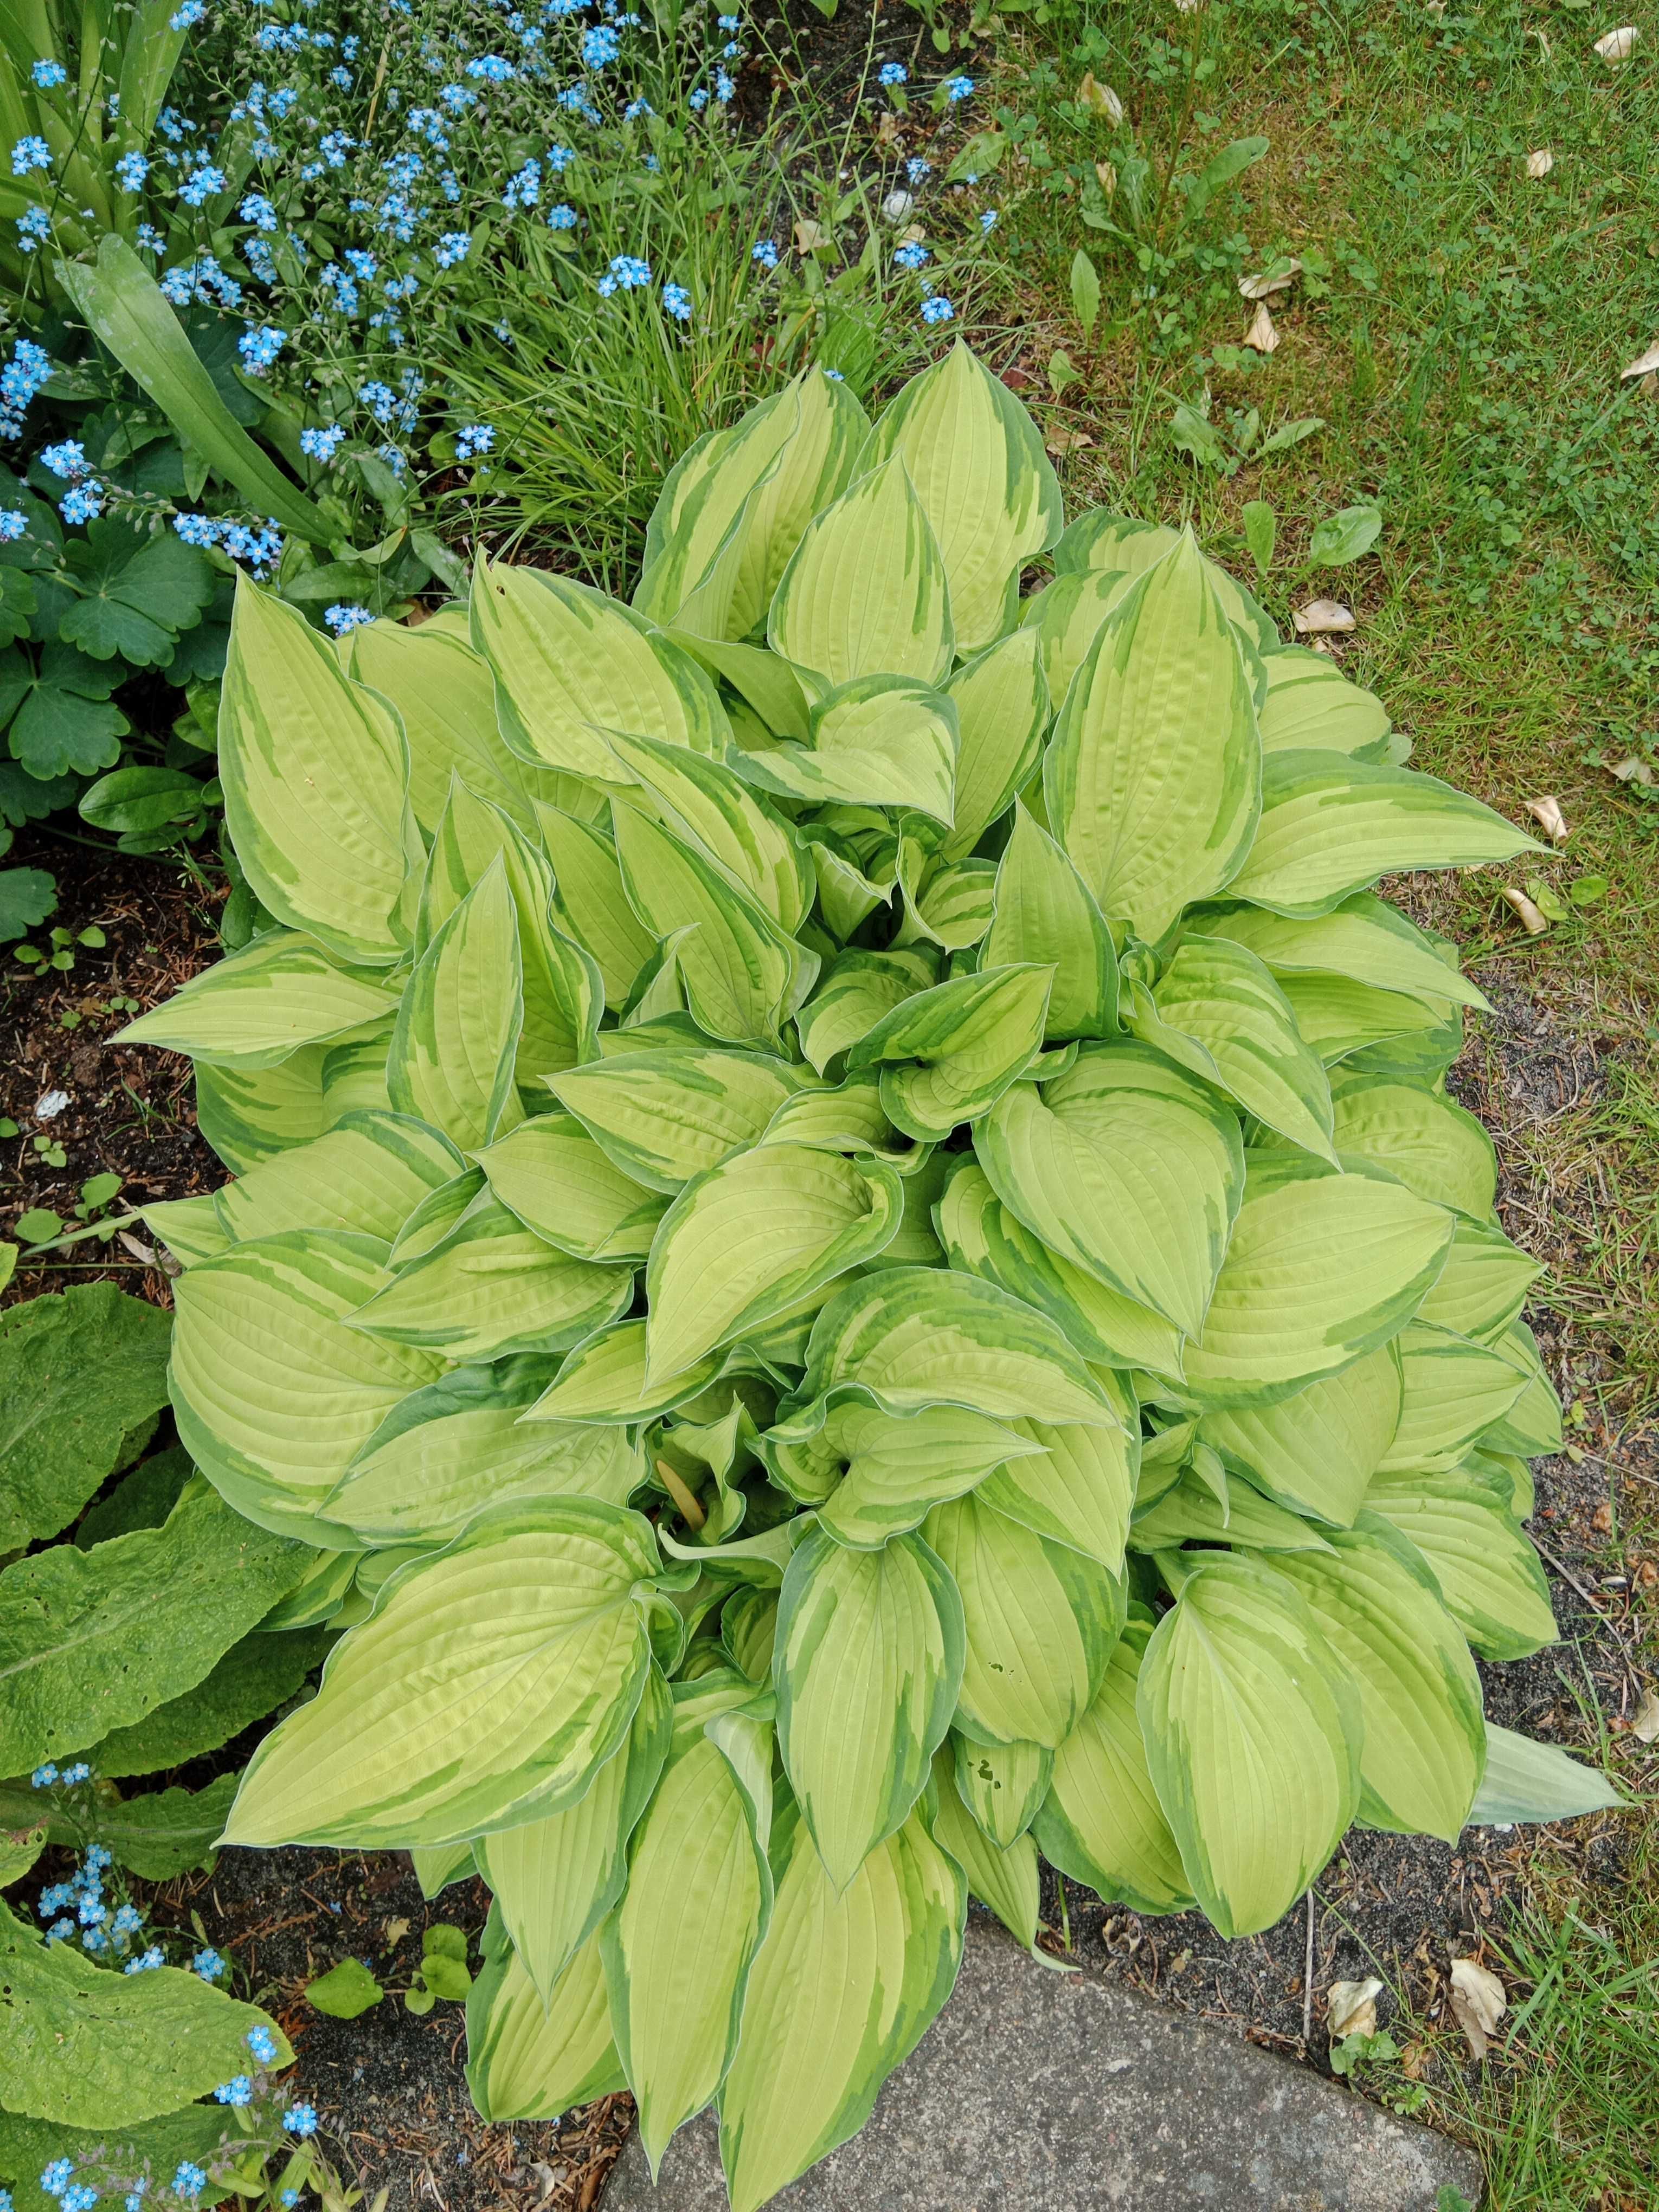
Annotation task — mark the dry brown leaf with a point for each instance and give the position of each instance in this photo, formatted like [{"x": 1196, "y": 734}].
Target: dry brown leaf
[
  {"x": 1547, "y": 813},
  {"x": 395, "y": 1932},
  {"x": 1644, "y": 1724},
  {"x": 1060, "y": 442},
  {"x": 810, "y": 234},
  {"x": 1322, "y": 618},
  {"x": 887, "y": 128},
  {"x": 1262, "y": 337},
  {"x": 144, "y": 1252},
  {"x": 1414, "y": 2061},
  {"x": 1545, "y": 47},
  {"x": 1633, "y": 769},
  {"x": 1477, "y": 2003},
  {"x": 912, "y": 234},
  {"x": 1351, "y": 2007},
  {"x": 1540, "y": 162},
  {"x": 1532, "y": 920},
  {"x": 1101, "y": 98},
  {"x": 1106, "y": 177},
  {"x": 1643, "y": 365},
  {"x": 1264, "y": 287},
  {"x": 1617, "y": 46}
]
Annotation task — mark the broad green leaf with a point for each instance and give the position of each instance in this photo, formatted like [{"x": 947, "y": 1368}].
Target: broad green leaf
[
  {"x": 1482, "y": 1286},
  {"x": 1330, "y": 826},
  {"x": 83, "y": 1377},
  {"x": 889, "y": 1470},
  {"x": 1532, "y": 1426},
  {"x": 528, "y": 2061},
  {"x": 1311, "y": 705},
  {"x": 491, "y": 1288},
  {"x": 948, "y": 903},
  {"x": 1435, "y": 1147},
  {"x": 768, "y": 686},
  {"x": 1252, "y": 1727},
  {"x": 489, "y": 1686},
  {"x": 249, "y": 1115},
  {"x": 754, "y": 1236},
  {"x": 911, "y": 1337},
  {"x": 1079, "y": 1493},
  {"x": 274, "y": 1395},
  {"x": 849, "y": 1118},
  {"x": 437, "y": 1217},
  {"x": 869, "y": 1660},
  {"x": 1097, "y": 539},
  {"x": 1529, "y": 1781},
  {"x": 569, "y": 663},
  {"x": 1101, "y": 1822},
  {"x": 191, "y": 1228},
  {"x": 436, "y": 1868},
  {"x": 258, "y": 1006},
  {"x": 1128, "y": 1169},
  {"x": 556, "y": 1880},
  {"x": 1454, "y": 1388},
  {"x": 603, "y": 1382},
  {"x": 856, "y": 992},
  {"x": 666, "y": 1117},
  {"x": 1379, "y": 1609},
  {"x": 368, "y": 1174},
  {"x": 880, "y": 1959},
  {"x": 315, "y": 771},
  {"x": 1192, "y": 1511},
  {"x": 1001, "y": 1784},
  {"x": 445, "y": 1452},
  {"x": 28, "y": 2147},
  {"x": 252, "y": 1678},
  {"x": 1224, "y": 1001},
  {"x": 1488, "y": 1572},
  {"x": 92, "y": 1640},
  {"x": 1067, "y": 616},
  {"x": 142, "y": 1499},
  {"x": 1321, "y": 1268},
  {"x": 354, "y": 1076},
  {"x": 1315, "y": 1452},
  {"x": 1044, "y": 910},
  {"x": 704, "y": 803},
  {"x": 320, "y": 1594},
  {"x": 947, "y": 1056},
  {"x": 559, "y": 1183},
  {"x": 1003, "y": 1877},
  {"x": 977, "y": 461},
  {"x": 1340, "y": 1017},
  {"x": 1041, "y": 1622},
  {"x": 865, "y": 592},
  {"x": 1002, "y": 705},
  {"x": 87, "y": 2048},
  {"x": 451, "y": 1061},
  {"x": 749, "y": 1624},
  {"x": 877, "y": 740},
  {"x": 1364, "y": 939},
  {"x": 1153, "y": 779},
  {"x": 590, "y": 903}
]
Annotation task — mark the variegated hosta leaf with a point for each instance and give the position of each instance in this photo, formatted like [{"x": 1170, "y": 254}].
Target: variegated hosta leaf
[
  {"x": 880, "y": 1959},
  {"x": 589, "y": 902},
  {"x": 191, "y": 1228},
  {"x": 1003, "y": 1876},
  {"x": 1480, "y": 1290},
  {"x": 947, "y": 1055},
  {"x": 946, "y": 902},
  {"x": 1002, "y": 707},
  {"x": 1154, "y": 778},
  {"x": 856, "y": 992},
  {"x": 1253, "y": 1727},
  {"x": 530, "y": 2061},
  {"x": 1079, "y": 1492},
  {"x": 1196, "y": 1511},
  {"x": 849, "y": 1118},
  {"x": 1435, "y": 1146},
  {"x": 889, "y": 1470},
  {"x": 665, "y": 1117},
  {"x": 315, "y": 771},
  {"x": 1528, "y": 1781},
  {"x": 1311, "y": 705},
  {"x": 1067, "y": 617},
  {"x": 1340, "y": 1018},
  {"x": 1044, "y": 910},
  {"x": 1001, "y": 1784},
  {"x": 366, "y": 1175},
  {"x": 257, "y": 1008},
  {"x": 1488, "y": 1572},
  {"x": 1315, "y": 1452},
  {"x": 1454, "y": 1390},
  {"x": 985, "y": 484},
  {"x": 865, "y": 592},
  {"x": 251, "y": 1114},
  {"x": 1096, "y": 539},
  {"x": 452, "y": 1052},
  {"x": 708, "y": 805},
  {"x": 490, "y": 1685},
  {"x": 1364, "y": 939},
  {"x": 754, "y": 1237},
  {"x": 876, "y": 741},
  {"x": 560, "y": 1183},
  {"x": 603, "y": 1382},
  {"x": 868, "y": 1664},
  {"x": 1330, "y": 826},
  {"x": 1533, "y": 1424}
]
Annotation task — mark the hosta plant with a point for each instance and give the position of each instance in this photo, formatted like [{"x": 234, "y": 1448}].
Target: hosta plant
[{"x": 848, "y": 1244}]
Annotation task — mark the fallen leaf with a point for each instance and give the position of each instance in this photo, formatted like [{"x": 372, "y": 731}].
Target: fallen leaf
[
  {"x": 1106, "y": 177},
  {"x": 887, "y": 128},
  {"x": 1531, "y": 920},
  {"x": 1262, "y": 337},
  {"x": 1279, "y": 278},
  {"x": 1414, "y": 2061},
  {"x": 1351, "y": 2007},
  {"x": 1477, "y": 2003},
  {"x": 1545, "y": 47},
  {"x": 1547, "y": 813},
  {"x": 1060, "y": 442},
  {"x": 1435, "y": 8},
  {"x": 809, "y": 236},
  {"x": 912, "y": 234},
  {"x": 1644, "y": 1725},
  {"x": 1321, "y": 617},
  {"x": 1601, "y": 1519},
  {"x": 1541, "y": 162},
  {"x": 1633, "y": 769},
  {"x": 395, "y": 1932},
  {"x": 1616, "y": 45},
  {"x": 144, "y": 1252},
  {"x": 1643, "y": 365},
  {"x": 1101, "y": 98},
  {"x": 545, "y": 2175}
]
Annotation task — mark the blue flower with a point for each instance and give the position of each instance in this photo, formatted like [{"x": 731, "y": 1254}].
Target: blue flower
[
  {"x": 600, "y": 46},
  {"x": 627, "y": 273},
  {"x": 78, "y": 2198},
  {"x": 57, "y": 2176},
  {"x": 31, "y": 153},
  {"x": 699, "y": 99},
  {"x": 239, "y": 2090},
  {"x": 199, "y": 529},
  {"x": 301, "y": 2119},
  {"x": 917, "y": 171},
  {"x": 188, "y": 16},
  {"x": 13, "y": 524},
  {"x": 60, "y": 1931},
  {"x": 68, "y": 458},
  {"x": 958, "y": 89},
  {"x": 891, "y": 73},
  {"x": 289, "y": 2199},
  {"x": 398, "y": 462},
  {"x": 835, "y": 375},
  {"x": 98, "y": 1857},
  {"x": 189, "y": 2180},
  {"x": 48, "y": 75},
  {"x": 133, "y": 2202},
  {"x": 490, "y": 69},
  {"x": 474, "y": 439},
  {"x": 263, "y": 2044},
  {"x": 82, "y": 1772},
  {"x": 33, "y": 228},
  {"x": 321, "y": 445},
  {"x": 131, "y": 171},
  {"x": 146, "y": 1964},
  {"x": 260, "y": 346},
  {"x": 988, "y": 221},
  {"x": 559, "y": 159},
  {"x": 765, "y": 252},
  {"x": 257, "y": 209},
  {"x": 127, "y": 1922},
  {"x": 725, "y": 90},
  {"x": 524, "y": 190},
  {"x": 913, "y": 256},
  {"x": 208, "y": 1964},
  {"x": 678, "y": 301},
  {"x": 43, "y": 1777},
  {"x": 201, "y": 184},
  {"x": 937, "y": 309},
  {"x": 342, "y": 619},
  {"x": 561, "y": 216}
]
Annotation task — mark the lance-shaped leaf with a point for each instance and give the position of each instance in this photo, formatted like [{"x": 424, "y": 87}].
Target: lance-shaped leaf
[
  {"x": 677, "y": 1949},
  {"x": 849, "y": 1119},
  {"x": 948, "y": 903},
  {"x": 1001, "y": 1784},
  {"x": 1067, "y": 616},
  {"x": 1529, "y": 1781},
  {"x": 445, "y": 1452},
  {"x": 749, "y": 1623},
  {"x": 1321, "y": 1268},
  {"x": 1315, "y": 1452},
  {"x": 1379, "y": 1609},
  {"x": 742, "y": 974},
  {"x": 590, "y": 903},
  {"x": 1003, "y": 1877},
  {"x": 756, "y": 1235},
  {"x": 569, "y": 663},
  {"x": 1041, "y": 1621},
  {"x": 889, "y": 1470},
  {"x": 707, "y": 804},
  {"x": 489, "y": 1686},
  {"x": 1153, "y": 779},
  {"x": 1488, "y": 1572},
  {"x": 368, "y": 1174},
  {"x": 1339, "y": 1018},
  {"x": 603, "y": 1382},
  {"x": 1252, "y": 1727},
  {"x": 189, "y": 1227},
  {"x": 865, "y": 592},
  {"x": 882, "y": 1956},
  {"x": 1219, "y": 1012},
  {"x": 858, "y": 990},
  {"x": 1435, "y": 1146},
  {"x": 1533, "y": 1424},
  {"x": 315, "y": 771},
  {"x": 560, "y": 1182},
  {"x": 354, "y": 1075},
  {"x": 274, "y": 1395},
  {"x": 1311, "y": 705},
  {"x": 1483, "y": 1285},
  {"x": 451, "y": 1057},
  {"x": 251, "y": 1114},
  {"x": 258, "y": 1006},
  {"x": 1127, "y": 1168},
  {"x": 495, "y": 1287},
  {"x": 1078, "y": 1492},
  {"x": 947, "y": 1055},
  {"x": 1364, "y": 939},
  {"x": 1454, "y": 1388},
  {"x": 530, "y": 2061},
  {"x": 1002, "y": 707},
  {"x": 911, "y": 1337},
  {"x": 665, "y": 1117},
  {"x": 976, "y": 460},
  {"x": 556, "y": 1880},
  {"x": 869, "y": 1659},
  {"x": 1206, "y": 1507},
  {"x": 1044, "y": 910},
  {"x": 1101, "y": 1822},
  {"x": 878, "y": 740},
  {"x": 1097, "y": 540},
  {"x": 1330, "y": 826}
]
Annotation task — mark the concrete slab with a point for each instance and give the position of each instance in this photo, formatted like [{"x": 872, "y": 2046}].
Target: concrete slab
[{"x": 1039, "y": 2092}]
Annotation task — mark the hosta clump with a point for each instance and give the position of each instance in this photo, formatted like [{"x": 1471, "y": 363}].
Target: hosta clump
[{"x": 848, "y": 1242}]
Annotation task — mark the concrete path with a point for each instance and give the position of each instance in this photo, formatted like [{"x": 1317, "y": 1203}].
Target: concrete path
[{"x": 1039, "y": 2092}]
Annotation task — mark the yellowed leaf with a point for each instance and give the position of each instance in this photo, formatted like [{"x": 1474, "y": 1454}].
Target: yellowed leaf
[
  {"x": 1643, "y": 365},
  {"x": 809, "y": 234},
  {"x": 1091, "y": 94},
  {"x": 1617, "y": 46},
  {"x": 1532, "y": 919},
  {"x": 1634, "y": 770},
  {"x": 395, "y": 1932},
  {"x": 1644, "y": 1724},
  {"x": 1540, "y": 162},
  {"x": 1547, "y": 813},
  {"x": 1262, "y": 335},
  {"x": 1106, "y": 177},
  {"x": 1264, "y": 286},
  {"x": 1351, "y": 2007},
  {"x": 1059, "y": 442},
  {"x": 1322, "y": 618},
  {"x": 1477, "y": 2003}
]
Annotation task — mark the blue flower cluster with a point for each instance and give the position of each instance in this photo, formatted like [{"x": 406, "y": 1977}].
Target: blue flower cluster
[
  {"x": 20, "y": 380},
  {"x": 79, "y": 1904}
]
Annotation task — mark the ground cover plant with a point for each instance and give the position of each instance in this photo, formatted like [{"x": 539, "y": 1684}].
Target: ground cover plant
[{"x": 848, "y": 1247}]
